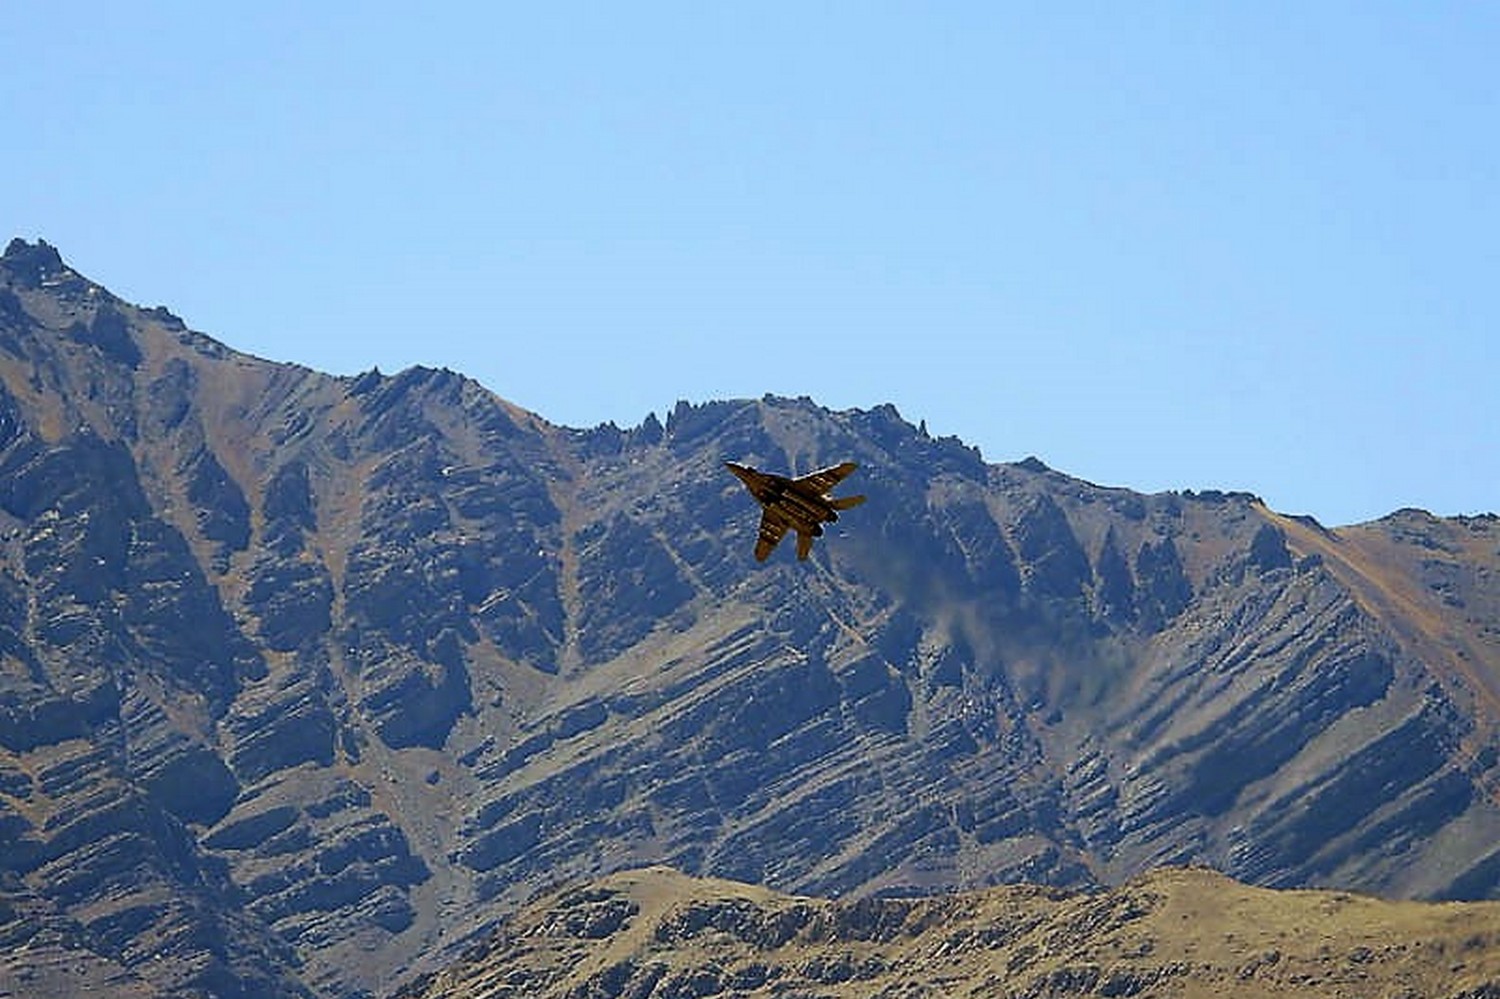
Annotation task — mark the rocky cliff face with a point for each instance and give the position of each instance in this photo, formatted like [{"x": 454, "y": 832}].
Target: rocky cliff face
[{"x": 304, "y": 680}]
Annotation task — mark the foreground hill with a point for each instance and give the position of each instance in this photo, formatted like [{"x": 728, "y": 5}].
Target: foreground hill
[
  {"x": 305, "y": 680},
  {"x": 1173, "y": 934}
]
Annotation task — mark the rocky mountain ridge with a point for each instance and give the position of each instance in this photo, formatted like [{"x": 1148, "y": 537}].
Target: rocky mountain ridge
[{"x": 305, "y": 680}]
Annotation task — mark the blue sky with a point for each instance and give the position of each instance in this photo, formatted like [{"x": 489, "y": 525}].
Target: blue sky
[{"x": 1200, "y": 245}]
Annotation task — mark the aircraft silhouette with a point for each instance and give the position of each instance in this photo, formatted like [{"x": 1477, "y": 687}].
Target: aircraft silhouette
[{"x": 801, "y": 504}]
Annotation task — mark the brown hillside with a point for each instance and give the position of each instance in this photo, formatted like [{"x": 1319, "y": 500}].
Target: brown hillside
[{"x": 1173, "y": 934}]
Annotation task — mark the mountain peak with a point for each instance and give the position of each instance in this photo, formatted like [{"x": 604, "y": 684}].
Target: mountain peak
[
  {"x": 353, "y": 664},
  {"x": 33, "y": 263}
]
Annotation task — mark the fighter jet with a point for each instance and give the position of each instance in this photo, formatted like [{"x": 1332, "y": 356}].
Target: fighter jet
[{"x": 801, "y": 504}]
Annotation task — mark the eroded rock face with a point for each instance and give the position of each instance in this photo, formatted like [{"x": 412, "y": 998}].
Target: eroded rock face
[{"x": 304, "y": 679}]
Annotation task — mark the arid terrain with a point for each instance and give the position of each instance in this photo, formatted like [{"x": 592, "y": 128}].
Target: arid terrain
[
  {"x": 1187, "y": 934},
  {"x": 309, "y": 682}
]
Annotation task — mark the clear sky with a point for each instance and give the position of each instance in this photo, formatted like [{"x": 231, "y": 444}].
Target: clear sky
[{"x": 1160, "y": 245}]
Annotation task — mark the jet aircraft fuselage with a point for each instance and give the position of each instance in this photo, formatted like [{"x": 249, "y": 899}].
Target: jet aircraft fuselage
[{"x": 801, "y": 504}]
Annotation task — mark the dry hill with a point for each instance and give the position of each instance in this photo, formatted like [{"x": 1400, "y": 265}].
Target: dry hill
[{"x": 1172, "y": 934}]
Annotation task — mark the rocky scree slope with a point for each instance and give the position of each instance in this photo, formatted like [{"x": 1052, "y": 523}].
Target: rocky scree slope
[{"x": 304, "y": 679}]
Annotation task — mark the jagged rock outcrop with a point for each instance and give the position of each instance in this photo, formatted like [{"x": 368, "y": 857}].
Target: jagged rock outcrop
[{"x": 304, "y": 679}]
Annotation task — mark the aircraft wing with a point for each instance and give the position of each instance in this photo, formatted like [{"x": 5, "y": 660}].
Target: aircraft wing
[
  {"x": 825, "y": 479},
  {"x": 772, "y": 527}
]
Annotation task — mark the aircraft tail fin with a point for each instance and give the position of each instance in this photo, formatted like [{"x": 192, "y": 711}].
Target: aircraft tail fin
[{"x": 847, "y": 502}]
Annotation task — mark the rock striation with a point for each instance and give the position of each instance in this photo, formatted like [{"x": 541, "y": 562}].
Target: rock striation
[{"x": 305, "y": 680}]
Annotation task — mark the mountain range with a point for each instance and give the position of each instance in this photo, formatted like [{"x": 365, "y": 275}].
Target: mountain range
[{"x": 308, "y": 683}]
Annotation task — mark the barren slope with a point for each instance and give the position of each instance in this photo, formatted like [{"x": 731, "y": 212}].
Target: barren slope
[
  {"x": 1174, "y": 934},
  {"x": 305, "y": 681}
]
